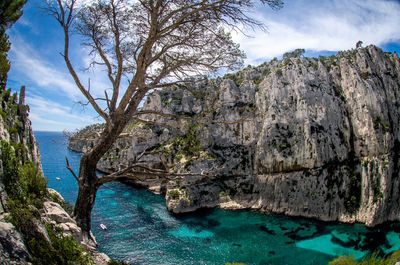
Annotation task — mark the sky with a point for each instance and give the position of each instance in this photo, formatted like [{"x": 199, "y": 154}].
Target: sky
[{"x": 321, "y": 27}]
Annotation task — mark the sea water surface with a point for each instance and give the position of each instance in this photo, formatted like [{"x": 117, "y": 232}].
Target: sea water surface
[{"x": 142, "y": 231}]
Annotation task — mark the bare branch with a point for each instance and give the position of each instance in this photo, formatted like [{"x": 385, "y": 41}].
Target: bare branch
[
  {"x": 70, "y": 169},
  {"x": 151, "y": 43},
  {"x": 64, "y": 14}
]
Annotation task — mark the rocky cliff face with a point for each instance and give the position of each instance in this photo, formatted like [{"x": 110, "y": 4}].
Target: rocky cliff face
[
  {"x": 38, "y": 217},
  {"x": 309, "y": 137},
  {"x": 16, "y": 129}
]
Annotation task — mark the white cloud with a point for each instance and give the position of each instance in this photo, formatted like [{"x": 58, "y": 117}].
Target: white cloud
[
  {"x": 48, "y": 115},
  {"x": 43, "y": 74},
  {"x": 322, "y": 25},
  {"x": 49, "y": 76}
]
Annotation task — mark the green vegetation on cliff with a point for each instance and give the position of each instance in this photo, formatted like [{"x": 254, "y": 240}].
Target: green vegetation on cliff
[
  {"x": 27, "y": 190},
  {"x": 373, "y": 259}
]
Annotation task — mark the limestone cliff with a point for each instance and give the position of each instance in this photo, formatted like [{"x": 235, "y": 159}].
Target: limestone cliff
[
  {"x": 16, "y": 129},
  {"x": 34, "y": 227},
  {"x": 309, "y": 137}
]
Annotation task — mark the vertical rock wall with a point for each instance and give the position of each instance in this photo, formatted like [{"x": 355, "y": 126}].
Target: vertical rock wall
[{"x": 302, "y": 136}]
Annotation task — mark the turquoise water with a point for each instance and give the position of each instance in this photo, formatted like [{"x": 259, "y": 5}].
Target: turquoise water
[{"x": 142, "y": 231}]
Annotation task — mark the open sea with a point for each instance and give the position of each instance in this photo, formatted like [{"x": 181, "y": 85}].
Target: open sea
[{"x": 142, "y": 231}]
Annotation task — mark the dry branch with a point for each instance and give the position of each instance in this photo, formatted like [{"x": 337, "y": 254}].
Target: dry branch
[{"x": 70, "y": 169}]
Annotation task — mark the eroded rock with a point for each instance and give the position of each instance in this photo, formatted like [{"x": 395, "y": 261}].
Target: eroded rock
[{"x": 305, "y": 137}]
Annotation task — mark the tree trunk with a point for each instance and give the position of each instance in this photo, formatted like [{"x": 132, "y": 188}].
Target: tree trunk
[
  {"x": 88, "y": 181},
  {"x": 88, "y": 187}
]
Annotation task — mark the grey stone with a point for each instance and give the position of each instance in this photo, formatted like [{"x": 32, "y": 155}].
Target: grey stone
[{"x": 313, "y": 137}]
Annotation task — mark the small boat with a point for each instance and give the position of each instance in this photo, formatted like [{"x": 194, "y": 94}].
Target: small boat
[
  {"x": 57, "y": 178},
  {"x": 103, "y": 227}
]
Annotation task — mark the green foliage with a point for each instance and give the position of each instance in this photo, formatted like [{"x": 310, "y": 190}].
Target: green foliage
[
  {"x": 376, "y": 188},
  {"x": 20, "y": 151},
  {"x": 131, "y": 126},
  {"x": 10, "y": 169},
  {"x": 174, "y": 194},
  {"x": 353, "y": 199},
  {"x": 61, "y": 250},
  {"x": 24, "y": 184},
  {"x": 10, "y": 12},
  {"x": 24, "y": 218},
  {"x": 380, "y": 125},
  {"x": 294, "y": 54},
  {"x": 329, "y": 62},
  {"x": 27, "y": 188},
  {"x": 236, "y": 77},
  {"x": 10, "y": 113},
  {"x": 364, "y": 75},
  {"x": 223, "y": 194},
  {"x": 372, "y": 259},
  {"x": 5, "y": 95},
  {"x": 377, "y": 122},
  {"x": 4, "y": 63},
  {"x": 33, "y": 183},
  {"x": 187, "y": 144},
  {"x": 3, "y": 115}
]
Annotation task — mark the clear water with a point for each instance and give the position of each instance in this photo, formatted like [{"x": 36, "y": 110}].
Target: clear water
[{"x": 142, "y": 231}]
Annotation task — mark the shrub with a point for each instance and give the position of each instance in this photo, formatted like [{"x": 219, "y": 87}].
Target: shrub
[
  {"x": 62, "y": 250},
  {"x": 33, "y": 183},
  {"x": 364, "y": 75},
  {"x": 174, "y": 194},
  {"x": 187, "y": 144},
  {"x": 27, "y": 188},
  {"x": 372, "y": 259},
  {"x": 10, "y": 170}
]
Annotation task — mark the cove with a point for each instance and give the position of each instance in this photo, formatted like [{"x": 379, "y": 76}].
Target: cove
[{"x": 142, "y": 231}]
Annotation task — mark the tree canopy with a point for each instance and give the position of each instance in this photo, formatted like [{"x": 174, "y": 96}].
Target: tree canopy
[
  {"x": 10, "y": 12},
  {"x": 294, "y": 54},
  {"x": 143, "y": 45}
]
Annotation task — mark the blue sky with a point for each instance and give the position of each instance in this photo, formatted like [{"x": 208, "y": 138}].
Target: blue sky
[{"x": 322, "y": 27}]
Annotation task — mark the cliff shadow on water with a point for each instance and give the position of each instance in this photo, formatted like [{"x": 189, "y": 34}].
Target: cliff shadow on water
[{"x": 140, "y": 230}]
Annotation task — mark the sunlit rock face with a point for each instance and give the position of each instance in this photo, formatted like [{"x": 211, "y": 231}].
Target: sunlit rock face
[{"x": 302, "y": 136}]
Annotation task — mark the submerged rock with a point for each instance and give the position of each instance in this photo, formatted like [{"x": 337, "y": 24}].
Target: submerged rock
[{"x": 308, "y": 137}]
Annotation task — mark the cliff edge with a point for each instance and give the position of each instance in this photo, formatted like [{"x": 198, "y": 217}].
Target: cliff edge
[
  {"x": 34, "y": 227},
  {"x": 307, "y": 137}
]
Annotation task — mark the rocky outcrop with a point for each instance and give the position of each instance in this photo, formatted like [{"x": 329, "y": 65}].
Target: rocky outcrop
[
  {"x": 55, "y": 215},
  {"x": 305, "y": 137},
  {"x": 12, "y": 247},
  {"x": 17, "y": 134},
  {"x": 15, "y": 128}
]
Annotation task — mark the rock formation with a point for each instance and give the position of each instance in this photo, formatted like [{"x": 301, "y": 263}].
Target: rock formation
[
  {"x": 309, "y": 137},
  {"x": 16, "y": 131}
]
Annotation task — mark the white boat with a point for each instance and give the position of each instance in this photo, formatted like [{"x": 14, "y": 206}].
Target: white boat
[
  {"x": 57, "y": 178},
  {"x": 103, "y": 227}
]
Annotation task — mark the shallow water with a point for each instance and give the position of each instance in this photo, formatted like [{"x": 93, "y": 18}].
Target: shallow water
[{"x": 142, "y": 231}]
